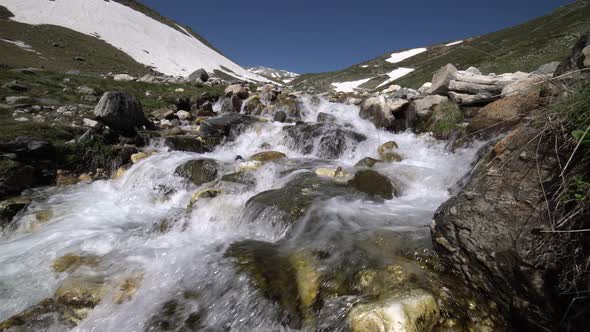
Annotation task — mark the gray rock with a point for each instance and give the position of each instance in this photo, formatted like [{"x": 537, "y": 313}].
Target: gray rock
[
  {"x": 124, "y": 78},
  {"x": 380, "y": 110},
  {"x": 465, "y": 99},
  {"x": 200, "y": 74},
  {"x": 73, "y": 72},
  {"x": 185, "y": 143},
  {"x": 280, "y": 116},
  {"x": 473, "y": 70},
  {"x": 442, "y": 78},
  {"x": 325, "y": 117},
  {"x": 237, "y": 90},
  {"x": 423, "y": 107},
  {"x": 84, "y": 90},
  {"x": 474, "y": 88},
  {"x": 121, "y": 112},
  {"x": 546, "y": 70}
]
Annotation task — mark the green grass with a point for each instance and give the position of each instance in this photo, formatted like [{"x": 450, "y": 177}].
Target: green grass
[
  {"x": 52, "y": 85},
  {"x": 524, "y": 47}
]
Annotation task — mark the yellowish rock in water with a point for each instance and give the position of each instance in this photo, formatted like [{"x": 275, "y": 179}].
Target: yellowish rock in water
[
  {"x": 250, "y": 165},
  {"x": 85, "y": 177},
  {"x": 206, "y": 193},
  {"x": 79, "y": 295},
  {"x": 71, "y": 262},
  {"x": 307, "y": 278},
  {"x": 388, "y": 151},
  {"x": 267, "y": 156},
  {"x": 337, "y": 172},
  {"x": 128, "y": 288},
  {"x": 136, "y": 157},
  {"x": 411, "y": 311},
  {"x": 121, "y": 171},
  {"x": 391, "y": 157},
  {"x": 44, "y": 215}
]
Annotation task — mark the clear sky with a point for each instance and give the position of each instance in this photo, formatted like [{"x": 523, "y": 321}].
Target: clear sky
[{"x": 323, "y": 35}]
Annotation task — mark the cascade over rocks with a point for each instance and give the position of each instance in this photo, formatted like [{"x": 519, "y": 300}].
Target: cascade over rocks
[
  {"x": 327, "y": 140},
  {"x": 121, "y": 112}
]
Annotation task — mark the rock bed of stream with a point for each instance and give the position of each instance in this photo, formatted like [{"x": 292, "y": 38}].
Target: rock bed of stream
[{"x": 276, "y": 244}]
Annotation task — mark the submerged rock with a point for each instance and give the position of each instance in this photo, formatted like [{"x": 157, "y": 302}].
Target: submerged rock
[
  {"x": 266, "y": 156},
  {"x": 413, "y": 311},
  {"x": 198, "y": 171},
  {"x": 287, "y": 204},
  {"x": 326, "y": 140},
  {"x": 366, "y": 162},
  {"x": 373, "y": 184},
  {"x": 71, "y": 262}
]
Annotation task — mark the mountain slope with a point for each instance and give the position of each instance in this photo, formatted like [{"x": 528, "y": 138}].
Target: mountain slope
[
  {"x": 524, "y": 47},
  {"x": 171, "y": 51},
  {"x": 277, "y": 75}
]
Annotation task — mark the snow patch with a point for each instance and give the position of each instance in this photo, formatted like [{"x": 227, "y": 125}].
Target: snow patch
[
  {"x": 146, "y": 40},
  {"x": 20, "y": 44},
  {"x": 396, "y": 74},
  {"x": 454, "y": 43},
  {"x": 349, "y": 86},
  {"x": 401, "y": 56},
  {"x": 364, "y": 66}
]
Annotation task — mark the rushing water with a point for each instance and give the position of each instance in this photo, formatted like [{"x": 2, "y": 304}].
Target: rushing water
[{"x": 116, "y": 219}]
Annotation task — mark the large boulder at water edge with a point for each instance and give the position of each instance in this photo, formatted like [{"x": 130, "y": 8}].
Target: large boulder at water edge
[
  {"x": 495, "y": 233},
  {"x": 327, "y": 140},
  {"x": 121, "y": 112},
  {"x": 198, "y": 171}
]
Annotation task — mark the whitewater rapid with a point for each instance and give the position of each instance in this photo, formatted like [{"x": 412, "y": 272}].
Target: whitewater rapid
[{"x": 116, "y": 219}]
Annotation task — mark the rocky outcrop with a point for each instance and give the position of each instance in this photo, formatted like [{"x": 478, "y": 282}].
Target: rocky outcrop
[
  {"x": 121, "y": 112},
  {"x": 491, "y": 234}
]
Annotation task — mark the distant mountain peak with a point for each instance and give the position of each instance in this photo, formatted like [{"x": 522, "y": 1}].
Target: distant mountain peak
[{"x": 277, "y": 75}]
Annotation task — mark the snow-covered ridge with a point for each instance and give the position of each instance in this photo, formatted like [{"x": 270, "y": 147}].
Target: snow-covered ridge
[
  {"x": 146, "y": 40},
  {"x": 275, "y": 74}
]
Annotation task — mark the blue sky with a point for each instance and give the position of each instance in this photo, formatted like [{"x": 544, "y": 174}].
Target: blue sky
[{"x": 323, "y": 35}]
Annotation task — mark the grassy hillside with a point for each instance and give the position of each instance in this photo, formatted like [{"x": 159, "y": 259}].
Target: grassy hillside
[
  {"x": 524, "y": 47},
  {"x": 59, "y": 49}
]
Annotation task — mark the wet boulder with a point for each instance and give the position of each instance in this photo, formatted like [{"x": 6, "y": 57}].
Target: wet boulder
[
  {"x": 367, "y": 162},
  {"x": 32, "y": 149},
  {"x": 11, "y": 207},
  {"x": 325, "y": 117},
  {"x": 121, "y": 112},
  {"x": 413, "y": 311},
  {"x": 198, "y": 171},
  {"x": 16, "y": 177},
  {"x": 225, "y": 126},
  {"x": 287, "y": 204},
  {"x": 185, "y": 143},
  {"x": 78, "y": 295},
  {"x": 373, "y": 184},
  {"x": 326, "y": 139},
  {"x": 266, "y": 156}
]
